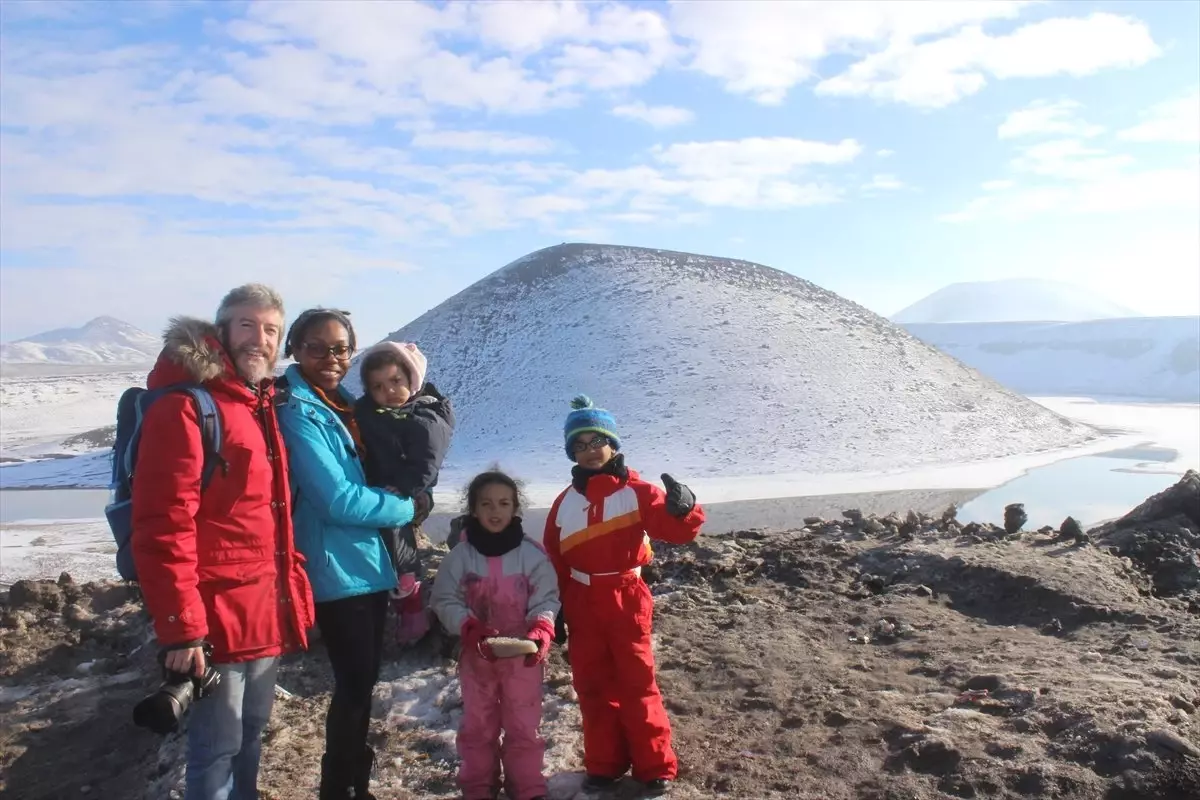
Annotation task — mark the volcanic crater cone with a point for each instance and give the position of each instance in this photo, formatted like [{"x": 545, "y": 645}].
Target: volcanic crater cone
[{"x": 712, "y": 366}]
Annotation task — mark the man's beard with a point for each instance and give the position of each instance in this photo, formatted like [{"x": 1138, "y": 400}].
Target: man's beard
[{"x": 254, "y": 370}]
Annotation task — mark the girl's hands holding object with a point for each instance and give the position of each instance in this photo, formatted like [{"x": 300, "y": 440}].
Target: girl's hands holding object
[
  {"x": 541, "y": 633},
  {"x": 474, "y": 637}
]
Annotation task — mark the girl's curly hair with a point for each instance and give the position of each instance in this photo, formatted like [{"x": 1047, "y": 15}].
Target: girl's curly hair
[{"x": 494, "y": 475}]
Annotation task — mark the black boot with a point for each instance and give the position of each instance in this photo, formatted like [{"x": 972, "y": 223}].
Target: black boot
[
  {"x": 335, "y": 783},
  {"x": 362, "y": 775},
  {"x": 657, "y": 787},
  {"x": 599, "y": 783}
]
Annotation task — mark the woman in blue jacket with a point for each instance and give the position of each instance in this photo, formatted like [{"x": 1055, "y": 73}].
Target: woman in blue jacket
[{"x": 337, "y": 518}]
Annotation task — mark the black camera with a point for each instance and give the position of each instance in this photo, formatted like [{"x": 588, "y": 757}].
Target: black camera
[{"x": 162, "y": 710}]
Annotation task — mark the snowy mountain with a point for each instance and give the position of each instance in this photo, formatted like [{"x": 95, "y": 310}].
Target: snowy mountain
[
  {"x": 1146, "y": 357},
  {"x": 104, "y": 340},
  {"x": 1015, "y": 300},
  {"x": 713, "y": 367}
]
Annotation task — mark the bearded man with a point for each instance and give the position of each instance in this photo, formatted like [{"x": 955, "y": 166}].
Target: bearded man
[{"x": 218, "y": 569}]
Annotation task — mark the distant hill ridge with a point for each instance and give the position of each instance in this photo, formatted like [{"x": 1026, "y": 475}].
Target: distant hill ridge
[
  {"x": 1012, "y": 300},
  {"x": 103, "y": 340}
]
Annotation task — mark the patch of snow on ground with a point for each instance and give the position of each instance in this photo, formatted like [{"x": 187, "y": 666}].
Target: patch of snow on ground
[
  {"x": 40, "y": 411},
  {"x": 1171, "y": 425},
  {"x": 84, "y": 548}
]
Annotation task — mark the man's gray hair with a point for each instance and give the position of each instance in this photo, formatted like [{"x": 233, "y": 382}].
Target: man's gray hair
[{"x": 254, "y": 295}]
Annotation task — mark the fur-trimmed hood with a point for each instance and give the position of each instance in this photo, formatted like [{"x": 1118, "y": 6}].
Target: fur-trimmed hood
[
  {"x": 192, "y": 353},
  {"x": 194, "y": 345}
]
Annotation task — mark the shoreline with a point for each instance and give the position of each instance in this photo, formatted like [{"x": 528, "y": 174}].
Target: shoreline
[
  {"x": 84, "y": 547},
  {"x": 776, "y": 513}
]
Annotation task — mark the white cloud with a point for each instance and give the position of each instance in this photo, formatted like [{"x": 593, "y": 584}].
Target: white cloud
[
  {"x": 1071, "y": 176},
  {"x": 496, "y": 142},
  {"x": 883, "y": 183},
  {"x": 1112, "y": 193},
  {"x": 743, "y": 173},
  {"x": 286, "y": 137},
  {"x": 1069, "y": 159},
  {"x": 391, "y": 60},
  {"x": 754, "y": 156},
  {"x": 885, "y": 153},
  {"x": 763, "y": 48},
  {"x": 936, "y": 73},
  {"x": 655, "y": 116},
  {"x": 522, "y": 27},
  {"x": 604, "y": 68},
  {"x": 1087, "y": 190},
  {"x": 116, "y": 259},
  {"x": 1044, "y": 118},
  {"x": 1172, "y": 121}
]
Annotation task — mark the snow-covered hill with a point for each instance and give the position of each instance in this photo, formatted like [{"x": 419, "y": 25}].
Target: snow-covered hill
[
  {"x": 1014, "y": 300},
  {"x": 104, "y": 340},
  {"x": 1146, "y": 357},
  {"x": 713, "y": 367}
]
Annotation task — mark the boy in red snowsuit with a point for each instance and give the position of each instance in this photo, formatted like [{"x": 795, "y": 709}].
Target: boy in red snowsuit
[{"x": 598, "y": 537}]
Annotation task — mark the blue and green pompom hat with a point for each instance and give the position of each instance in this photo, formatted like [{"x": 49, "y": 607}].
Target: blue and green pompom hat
[{"x": 586, "y": 418}]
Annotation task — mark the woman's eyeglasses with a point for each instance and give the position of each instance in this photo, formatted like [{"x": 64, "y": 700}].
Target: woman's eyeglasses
[
  {"x": 319, "y": 350},
  {"x": 595, "y": 444}
]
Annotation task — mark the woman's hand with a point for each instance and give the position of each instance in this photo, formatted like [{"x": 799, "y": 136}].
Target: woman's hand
[{"x": 422, "y": 505}]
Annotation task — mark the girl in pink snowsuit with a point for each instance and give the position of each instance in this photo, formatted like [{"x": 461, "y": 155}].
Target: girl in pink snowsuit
[{"x": 498, "y": 583}]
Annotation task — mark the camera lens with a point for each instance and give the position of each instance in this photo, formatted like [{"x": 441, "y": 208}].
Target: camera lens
[{"x": 161, "y": 711}]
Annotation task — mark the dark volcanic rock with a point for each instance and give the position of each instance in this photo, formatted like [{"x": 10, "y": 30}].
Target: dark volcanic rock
[
  {"x": 36, "y": 594},
  {"x": 1071, "y": 529},
  {"x": 1014, "y": 517},
  {"x": 1162, "y": 537}
]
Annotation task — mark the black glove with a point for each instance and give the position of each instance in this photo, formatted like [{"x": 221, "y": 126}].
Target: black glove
[
  {"x": 680, "y": 500},
  {"x": 560, "y": 629}
]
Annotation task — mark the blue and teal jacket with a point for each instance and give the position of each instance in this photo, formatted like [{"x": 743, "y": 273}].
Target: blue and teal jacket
[{"x": 336, "y": 515}]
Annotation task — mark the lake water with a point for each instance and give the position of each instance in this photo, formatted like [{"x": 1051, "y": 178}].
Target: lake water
[
  {"x": 1090, "y": 488},
  {"x": 52, "y": 504}
]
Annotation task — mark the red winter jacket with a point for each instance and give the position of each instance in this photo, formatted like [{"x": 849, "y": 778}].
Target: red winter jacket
[
  {"x": 609, "y": 528},
  {"x": 221, "y": 565}
]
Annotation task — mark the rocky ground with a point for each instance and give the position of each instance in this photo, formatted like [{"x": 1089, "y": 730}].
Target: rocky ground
[{"x": 899, "y": 658}]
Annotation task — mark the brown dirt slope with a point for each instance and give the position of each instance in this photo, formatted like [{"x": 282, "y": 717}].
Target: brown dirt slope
[{"x": 895, "y": 658}]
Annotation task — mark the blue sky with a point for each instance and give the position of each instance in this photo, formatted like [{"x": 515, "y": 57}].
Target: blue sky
[{"x": 383, "y": 156}]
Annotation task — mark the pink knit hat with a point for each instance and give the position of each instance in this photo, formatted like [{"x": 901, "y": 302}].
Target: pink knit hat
[{"x": 412, "y": 359}]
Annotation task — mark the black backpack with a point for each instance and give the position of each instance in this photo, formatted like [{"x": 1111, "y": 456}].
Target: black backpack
[{"x": 131, "y": 409}]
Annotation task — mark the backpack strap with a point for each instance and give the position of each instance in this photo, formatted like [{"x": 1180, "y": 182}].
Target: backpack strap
[
  {"x": 211, "y": 432},
  {"x": 283, "y": 392}
]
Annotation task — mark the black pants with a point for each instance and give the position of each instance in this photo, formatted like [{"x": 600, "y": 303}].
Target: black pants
[{"x": 352, "y": 629}]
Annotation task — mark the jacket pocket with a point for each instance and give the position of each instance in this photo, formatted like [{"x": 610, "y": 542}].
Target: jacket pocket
[
  {"x": 241, "y": 602},
  {"x": 642, "y": 606}
]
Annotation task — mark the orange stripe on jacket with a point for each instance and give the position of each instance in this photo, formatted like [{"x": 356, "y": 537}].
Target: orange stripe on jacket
[{"x": 600, "y": 529}]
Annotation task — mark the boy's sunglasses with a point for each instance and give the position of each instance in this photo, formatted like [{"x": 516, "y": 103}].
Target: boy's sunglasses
[
  {"x": 318, "y": 350},
  {"x": 595, "y": 444}
]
